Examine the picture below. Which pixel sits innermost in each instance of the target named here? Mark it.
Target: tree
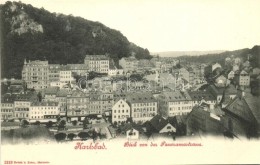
(38, 123)
(62, 125)
(71, 136)
(85, 123)
(49, 124)
(39, 96)
(24, 123)
(60, 136)
(74, 122)
(83, 135)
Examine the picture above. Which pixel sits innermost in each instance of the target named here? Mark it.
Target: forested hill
(32, 33)
(253, 53)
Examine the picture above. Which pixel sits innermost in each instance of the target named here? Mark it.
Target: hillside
(190, 53)
(254, 54)
(33, 33)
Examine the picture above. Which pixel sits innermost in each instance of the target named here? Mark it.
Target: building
(78, 105)
(242, 117)
(79, 69)
(129, 64)
(205, 119)
(159, 124)
(97, 63)
(54, 72)
(44, 112)
(231, 75)
(22, 104)
(143, 106)
(243, 78)
(61, 97)
(229, 92)
(120, 111)
(36, 74)
(175, 103)
(199, 96)
(7, 107)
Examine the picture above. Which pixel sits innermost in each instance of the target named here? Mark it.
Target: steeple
(25, 61)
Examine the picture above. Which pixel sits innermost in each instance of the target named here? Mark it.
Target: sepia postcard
(130, 82)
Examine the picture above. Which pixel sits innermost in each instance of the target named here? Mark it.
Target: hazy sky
(171, 25)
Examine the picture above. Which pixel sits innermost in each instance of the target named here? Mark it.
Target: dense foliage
(254, 54)
(64, 39)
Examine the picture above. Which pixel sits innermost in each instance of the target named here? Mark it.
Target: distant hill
(190, 53)
(253, 53)
(32, 33)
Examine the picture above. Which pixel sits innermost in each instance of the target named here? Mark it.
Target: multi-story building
(143, 106)
(22, 104)
(97, 63)
(65, 75)
(7, 107)
(129, 64)
(54, 72)
(243, 78)
(36, 74)
(120, 111)
(199, 96)
(79, 69)
(77, 105)
(175, 103)
(61, 97)
(44, 112)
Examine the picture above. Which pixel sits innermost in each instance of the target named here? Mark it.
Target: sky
(171, 25)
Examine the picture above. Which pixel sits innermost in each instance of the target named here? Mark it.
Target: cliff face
(33, 33)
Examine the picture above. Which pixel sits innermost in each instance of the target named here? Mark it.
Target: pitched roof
(158, 122)
(145, 97)
(198, 95)
(240, 108)
(176, 96)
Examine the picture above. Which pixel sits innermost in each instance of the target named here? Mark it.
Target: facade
(159, 124)
(44, 112)
(54, 72)
(36, 74)
(120, 111)
(175, 103)
(22, 104)
(143, 106)
(129, 64)
(97, 63)
(205, 119)
(244, 78)
(198, 96)
(7, 108)
(77, 105)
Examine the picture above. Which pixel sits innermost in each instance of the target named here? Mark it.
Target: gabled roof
(145, 97)
(199, 95)
(240, 108)
(176, 96)
(158, 122)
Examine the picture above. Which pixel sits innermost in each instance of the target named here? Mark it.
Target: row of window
(121, 116)
(144, 109)
(143, 104)
(118, 111)
(52, 112)
(6, 110)
(181, 108)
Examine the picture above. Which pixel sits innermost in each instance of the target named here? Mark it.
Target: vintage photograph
(94, 78)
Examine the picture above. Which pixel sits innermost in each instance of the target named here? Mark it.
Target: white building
(175, 103)
(120, 111)
(97, 63)
(143, 106)
(44, 112)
